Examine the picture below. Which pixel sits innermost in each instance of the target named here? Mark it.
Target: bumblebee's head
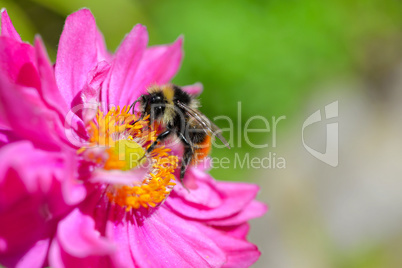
(153, 105)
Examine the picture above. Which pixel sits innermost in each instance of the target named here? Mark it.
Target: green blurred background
(280, 58)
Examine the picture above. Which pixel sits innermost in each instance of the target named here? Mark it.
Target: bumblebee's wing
(204, 121)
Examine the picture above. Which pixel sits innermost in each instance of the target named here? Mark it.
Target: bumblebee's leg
(184, 139)
(187, 156)
(161, 137)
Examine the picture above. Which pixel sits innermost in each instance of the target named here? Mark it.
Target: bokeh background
(285, 58)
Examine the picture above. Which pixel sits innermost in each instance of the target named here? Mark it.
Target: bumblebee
(178, 113)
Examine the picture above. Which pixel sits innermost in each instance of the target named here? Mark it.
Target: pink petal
(35, 256)
(32, 255)
(75, 131)
(124, 67)
(73, 191)
(48, 89)
(253, 210)
(77, 53)
(17, 62)
(58, 258)
(85, 107)
(7, 136)
(95, 79)
(78, 242)
(106, 216)
(195, 89)
(159, 65)
(119, 178)
(19, 233)
(78, 237)
(164, 239)
(237, 231)
(26, 176)
(211, 200)
(25, 113)
(7, 28)
(12, 187)
(239, 252)
(27, 171)
(203, 192)
(102, 52)
(91, 93)
(20, 65)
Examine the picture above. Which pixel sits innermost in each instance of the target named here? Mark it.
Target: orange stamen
(114, 130)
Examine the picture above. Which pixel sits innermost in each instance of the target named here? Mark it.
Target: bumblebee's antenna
(133, 106)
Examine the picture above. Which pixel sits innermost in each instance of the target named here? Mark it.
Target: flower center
(117, 152)
(125, 155)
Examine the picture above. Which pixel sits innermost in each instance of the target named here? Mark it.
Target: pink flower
(68, 195)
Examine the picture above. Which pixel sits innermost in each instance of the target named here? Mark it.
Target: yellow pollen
(116, 144)
(125, 155)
